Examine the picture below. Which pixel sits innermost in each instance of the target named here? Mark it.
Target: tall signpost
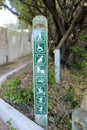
(40, 70)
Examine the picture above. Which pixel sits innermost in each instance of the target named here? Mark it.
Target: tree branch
(11, 10)
(74, 10)
(80, 12)
(33, 4)
(55, 15)
(60, 3)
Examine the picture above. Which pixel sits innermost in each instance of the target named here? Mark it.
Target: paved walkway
(10, 67)
(4, 69)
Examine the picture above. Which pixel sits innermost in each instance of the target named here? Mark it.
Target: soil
(63, 97)
(3, 125)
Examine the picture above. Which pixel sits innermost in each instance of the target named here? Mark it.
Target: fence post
(57, 64)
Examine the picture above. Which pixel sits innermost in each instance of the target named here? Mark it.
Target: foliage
(70, 94)
(62, 98)
(14, 93)
(10, 124)
(51, 77)
(60, 14)
(83, 37)
(71, 97)
(12, 128)
(21, 25)
(79, 57)
(64, 19)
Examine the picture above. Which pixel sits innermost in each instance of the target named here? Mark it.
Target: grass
(71, 97)
(62, 98)
(14, 92)
(10, 125)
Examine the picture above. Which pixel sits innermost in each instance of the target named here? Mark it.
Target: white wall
(13, 45)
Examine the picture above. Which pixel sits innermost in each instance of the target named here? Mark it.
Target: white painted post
(57, 64)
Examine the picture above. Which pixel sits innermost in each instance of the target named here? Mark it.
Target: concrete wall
(13, 45)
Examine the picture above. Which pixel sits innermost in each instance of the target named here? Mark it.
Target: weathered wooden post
(40, 70)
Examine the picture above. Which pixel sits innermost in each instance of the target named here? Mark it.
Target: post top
(56, 51)
(40, 21)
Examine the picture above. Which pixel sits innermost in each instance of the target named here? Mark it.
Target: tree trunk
(72, 27)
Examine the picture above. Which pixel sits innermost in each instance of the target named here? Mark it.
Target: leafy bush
(83, 37)
(79, 57)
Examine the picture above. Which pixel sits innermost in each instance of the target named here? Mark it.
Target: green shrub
(83, 37)
(14, 92)
(79, 57)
